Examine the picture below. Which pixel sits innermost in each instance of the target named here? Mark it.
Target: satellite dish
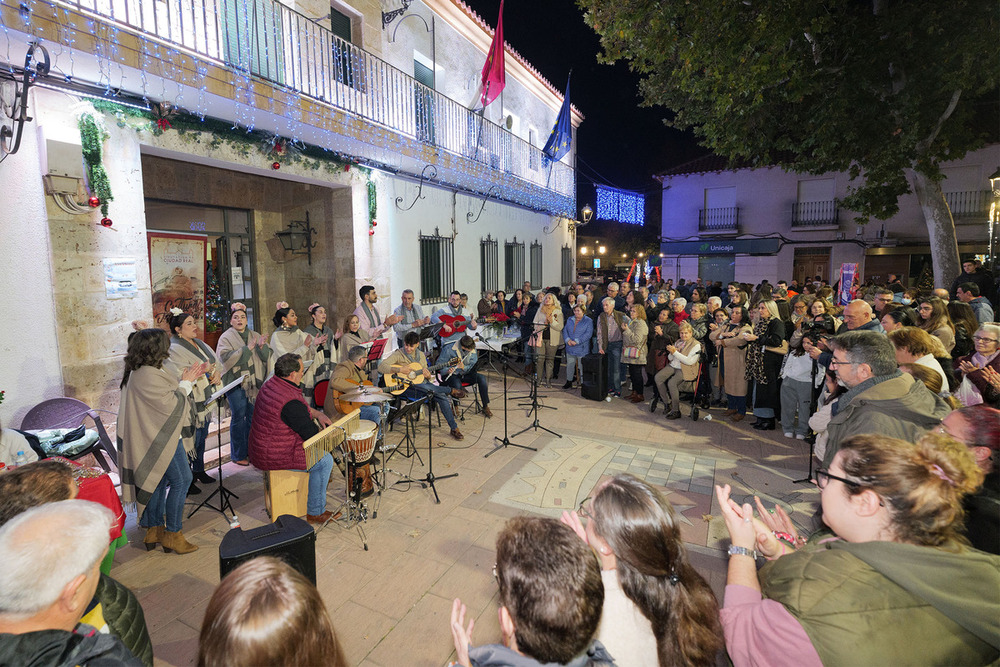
(509, 122)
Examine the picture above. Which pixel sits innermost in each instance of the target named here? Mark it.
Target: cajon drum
(285, 492)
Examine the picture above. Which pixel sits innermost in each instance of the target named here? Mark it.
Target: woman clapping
(242, 351)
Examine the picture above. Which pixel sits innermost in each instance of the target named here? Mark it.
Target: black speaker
(289, 538)
(595, 376)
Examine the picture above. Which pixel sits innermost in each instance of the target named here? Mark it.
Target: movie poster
(177, 277)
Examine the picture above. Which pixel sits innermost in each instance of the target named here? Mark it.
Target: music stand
(429, 478)
(378, 346)
(224, 493)
(811, 438)
(405, 412)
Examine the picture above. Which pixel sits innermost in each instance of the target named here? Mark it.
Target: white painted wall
(765, 198)
(29, 357)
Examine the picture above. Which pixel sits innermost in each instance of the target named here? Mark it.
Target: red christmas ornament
(163, 123)
(275, 166)
(94, 201)
(371, 232)
(374, 223)
(347, 167)
(106, 222)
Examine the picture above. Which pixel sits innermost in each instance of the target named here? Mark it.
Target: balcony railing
(974, 204)
(814, 213)
(264, 38)
(719, 219)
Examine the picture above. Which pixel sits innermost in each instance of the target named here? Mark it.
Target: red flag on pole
(493, 78)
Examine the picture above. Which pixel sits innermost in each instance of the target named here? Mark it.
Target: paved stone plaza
(391, 604)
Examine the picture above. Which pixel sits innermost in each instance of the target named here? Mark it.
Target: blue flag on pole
(562, 134)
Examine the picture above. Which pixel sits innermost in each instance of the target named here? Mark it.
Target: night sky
(619, 143)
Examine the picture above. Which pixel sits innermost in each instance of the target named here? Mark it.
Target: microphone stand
(505, 441)
(534, 405)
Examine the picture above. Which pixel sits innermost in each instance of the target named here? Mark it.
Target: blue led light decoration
(620, 205)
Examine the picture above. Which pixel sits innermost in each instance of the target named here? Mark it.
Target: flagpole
(482, 118)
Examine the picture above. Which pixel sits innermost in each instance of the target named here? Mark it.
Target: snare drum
(362, 443)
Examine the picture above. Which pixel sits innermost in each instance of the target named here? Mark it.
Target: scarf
(372, 315)
(755, 355)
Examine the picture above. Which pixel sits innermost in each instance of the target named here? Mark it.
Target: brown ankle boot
(154, 535)
(177, 542)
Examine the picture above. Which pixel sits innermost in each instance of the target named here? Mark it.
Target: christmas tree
(214, 305)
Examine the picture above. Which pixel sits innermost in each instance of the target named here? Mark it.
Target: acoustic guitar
(458, 323)
(398, 382)
(345, 407)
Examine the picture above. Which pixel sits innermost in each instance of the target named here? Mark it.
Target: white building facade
(754, 224)
(352, 116)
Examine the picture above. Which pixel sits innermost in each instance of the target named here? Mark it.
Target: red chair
(319, 393)
(69, 413)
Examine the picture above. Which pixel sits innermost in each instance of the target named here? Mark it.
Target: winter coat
(635, 335)
(899, 407)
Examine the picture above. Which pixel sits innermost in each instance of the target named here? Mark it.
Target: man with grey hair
(52, 556)
(614, 293)
(411, 317)
(879, 399)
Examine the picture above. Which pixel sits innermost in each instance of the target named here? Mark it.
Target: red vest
(273, 444)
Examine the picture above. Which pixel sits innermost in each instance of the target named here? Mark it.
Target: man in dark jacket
(50, 481)
(971, 274)
(281, 423)
(879, 399)
(52, 557)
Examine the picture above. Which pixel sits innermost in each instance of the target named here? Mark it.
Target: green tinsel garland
(92, 140)
(372, 203)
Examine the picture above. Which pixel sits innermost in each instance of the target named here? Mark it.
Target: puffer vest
(273, 444)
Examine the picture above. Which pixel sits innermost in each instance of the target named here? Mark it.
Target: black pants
(635, 374)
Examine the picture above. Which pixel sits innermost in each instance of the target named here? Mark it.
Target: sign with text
(723, 247)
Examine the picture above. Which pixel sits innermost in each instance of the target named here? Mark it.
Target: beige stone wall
(274, 203)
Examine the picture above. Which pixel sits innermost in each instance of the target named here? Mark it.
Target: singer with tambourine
(463, 371)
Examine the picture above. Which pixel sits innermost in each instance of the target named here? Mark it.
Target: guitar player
(465, 350)
(347, 375)
(456, 318)
(409, 354)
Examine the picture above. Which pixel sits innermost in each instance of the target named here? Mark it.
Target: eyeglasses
(835, 362)
(823, 478)
(582, 509)
(984, 339)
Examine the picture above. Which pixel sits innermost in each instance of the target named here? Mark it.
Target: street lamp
(602, 249)
(586, 213)
(583, 250)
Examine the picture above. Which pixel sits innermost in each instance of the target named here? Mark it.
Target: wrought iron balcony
(719, 220)
(815, 213)
(263, 39)
(973, 204)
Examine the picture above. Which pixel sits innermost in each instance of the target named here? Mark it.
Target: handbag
(630, 352)
(780, 349)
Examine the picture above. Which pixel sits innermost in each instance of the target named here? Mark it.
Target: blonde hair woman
(683, 359)
(548, 335)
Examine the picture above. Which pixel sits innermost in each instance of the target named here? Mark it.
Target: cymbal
(366, 395)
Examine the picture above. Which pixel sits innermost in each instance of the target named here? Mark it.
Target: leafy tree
(870, 87)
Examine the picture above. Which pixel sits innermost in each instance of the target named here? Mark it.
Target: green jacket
(885, 603)
(896, 408)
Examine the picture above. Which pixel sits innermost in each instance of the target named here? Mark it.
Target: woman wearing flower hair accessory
(287, 337)
(657, 609)
(319, 330)
(242, 351)
(186, 350)
(896, 552)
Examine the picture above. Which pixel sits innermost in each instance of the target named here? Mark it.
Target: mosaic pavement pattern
(566, 470)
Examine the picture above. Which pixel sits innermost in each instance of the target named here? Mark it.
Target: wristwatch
(742, 551)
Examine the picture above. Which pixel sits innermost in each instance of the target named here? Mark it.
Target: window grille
(513, 256)
(566, 274)
(489, 264)
(536, 265)
(437, 267)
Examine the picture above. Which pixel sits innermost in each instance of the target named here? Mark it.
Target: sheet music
(225, 390)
